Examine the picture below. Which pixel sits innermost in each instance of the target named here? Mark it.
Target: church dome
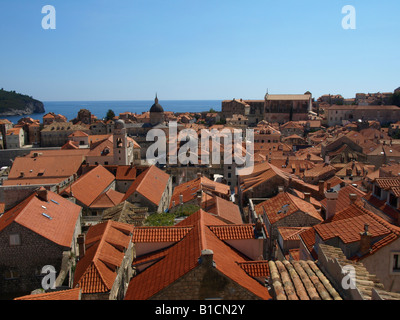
(119, 124)
(156, 107)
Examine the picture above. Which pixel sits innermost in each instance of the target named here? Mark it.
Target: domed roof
(156, 107)
(119, 124)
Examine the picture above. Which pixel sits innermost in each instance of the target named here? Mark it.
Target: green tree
(396, 99)
(160, 219)
(110, 115)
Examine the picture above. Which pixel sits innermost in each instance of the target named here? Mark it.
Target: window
(395, 263)
(15, 240)
(377, 191)
(11, 274)
(392, 200)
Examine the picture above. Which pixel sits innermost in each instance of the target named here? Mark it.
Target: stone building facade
(205, 282)
(339, 114)
(21, 262)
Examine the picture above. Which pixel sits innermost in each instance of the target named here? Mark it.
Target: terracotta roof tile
(382, 206)
(91, 185)
(255, 268)
(150, 184)
(108, 199)
(348, 229)
(54, 219)
(300, 280)
(233, 232)
(387, 183)
(226, 210)
(184, 256)
(291, 233)
(105, 244)
(189, 190)
(159, 234)
(26, 170)
(126, 173)
(275, 207)
(72, 294)
(343, 200)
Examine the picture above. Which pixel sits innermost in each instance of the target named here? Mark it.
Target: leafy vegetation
(168, 219)
(396, 98)
(110, 115)
(160, 219)
(11, 100)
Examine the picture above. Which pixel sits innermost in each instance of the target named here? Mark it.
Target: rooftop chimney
(353, 197)
(199, 197)
(321, 187)
(81, 245)
(207, 258)
(181, 199)
(258, 228)
(331, 197)
(365, 241)
(280, 189)
(307, 196)
(42, 194)
(198, 174)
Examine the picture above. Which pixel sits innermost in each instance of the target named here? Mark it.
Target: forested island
(15, 104)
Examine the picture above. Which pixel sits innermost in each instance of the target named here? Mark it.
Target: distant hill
(15, 104)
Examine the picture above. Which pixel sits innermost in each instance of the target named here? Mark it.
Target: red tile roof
(189, 189)
(54, 219)
(105, 244)
(91, 185)
(47, 169)
(348, 230)
(126, 173)
(160, 234)
(70, 145)
(233, 232)
(184, 257)
(343, 200)
(308, 238)
(255, 268)
(275, 207)
(78, 133)
(150, 184)
(291, 233)
(388, 182)
(72, 294)
(382, 205)
(226, 210)
(108, 199)
(347, 226)
(261, 173)
(300, 280)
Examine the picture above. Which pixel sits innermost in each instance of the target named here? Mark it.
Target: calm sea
(70, 109)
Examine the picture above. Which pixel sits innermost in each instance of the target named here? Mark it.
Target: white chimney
(353, 197)
(181, 199)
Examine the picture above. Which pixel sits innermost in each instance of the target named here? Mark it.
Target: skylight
(47, 216)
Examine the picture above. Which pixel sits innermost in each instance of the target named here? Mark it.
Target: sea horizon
(99, 108)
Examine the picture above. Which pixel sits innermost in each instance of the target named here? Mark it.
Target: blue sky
(190, 49)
